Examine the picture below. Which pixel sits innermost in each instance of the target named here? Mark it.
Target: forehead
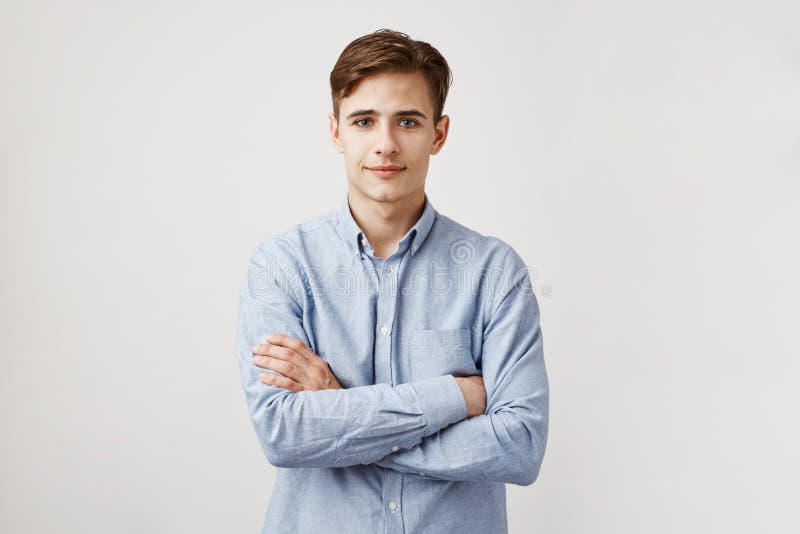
(390, 90)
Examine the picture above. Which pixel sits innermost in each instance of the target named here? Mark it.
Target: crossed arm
(414, 427)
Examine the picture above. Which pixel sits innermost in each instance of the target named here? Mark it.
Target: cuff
(442, 402)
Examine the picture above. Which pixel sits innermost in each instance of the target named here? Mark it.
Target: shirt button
(445, 426)
(395, 449)
(421, 474)
(384, 329)
(392, 506)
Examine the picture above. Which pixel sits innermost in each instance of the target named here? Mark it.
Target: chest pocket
(441, 352)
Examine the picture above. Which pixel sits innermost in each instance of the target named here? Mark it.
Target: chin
(380, 192)
(383, 195)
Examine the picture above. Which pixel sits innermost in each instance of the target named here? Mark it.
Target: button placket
(388, 273)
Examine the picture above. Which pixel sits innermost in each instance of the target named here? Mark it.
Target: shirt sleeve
(507, 443)
(327, 428)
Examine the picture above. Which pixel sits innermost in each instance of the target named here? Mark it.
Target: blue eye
(358, 122)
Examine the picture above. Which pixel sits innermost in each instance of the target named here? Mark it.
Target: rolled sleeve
(441, 401)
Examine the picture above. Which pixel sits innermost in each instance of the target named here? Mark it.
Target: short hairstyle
(387, 50)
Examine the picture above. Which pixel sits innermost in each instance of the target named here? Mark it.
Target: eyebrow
(403, 113)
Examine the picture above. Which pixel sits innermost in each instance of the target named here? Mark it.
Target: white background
(642, 157)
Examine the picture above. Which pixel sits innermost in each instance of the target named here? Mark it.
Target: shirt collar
(352, 233)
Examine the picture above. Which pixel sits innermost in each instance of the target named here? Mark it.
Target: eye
(409, 120)
(357, 121)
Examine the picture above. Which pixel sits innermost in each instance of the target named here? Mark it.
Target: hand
(300, 367)
(474, 393)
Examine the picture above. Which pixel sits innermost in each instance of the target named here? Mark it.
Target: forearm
(498, 447)
(341, 427)
(507, 443)
(327, 428)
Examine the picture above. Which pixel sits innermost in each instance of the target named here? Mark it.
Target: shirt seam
(497, 300)
(281, 266)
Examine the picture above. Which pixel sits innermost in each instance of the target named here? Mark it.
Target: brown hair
(387, 50)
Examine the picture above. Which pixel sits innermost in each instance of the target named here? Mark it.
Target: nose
(386, 144)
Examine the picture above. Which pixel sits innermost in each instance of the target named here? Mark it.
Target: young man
(391, 357)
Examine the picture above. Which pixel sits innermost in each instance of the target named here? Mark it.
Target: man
(391, 357)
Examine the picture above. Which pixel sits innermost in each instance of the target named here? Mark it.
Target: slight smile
(386, 171)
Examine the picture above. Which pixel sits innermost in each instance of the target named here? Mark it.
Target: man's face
(388, 121)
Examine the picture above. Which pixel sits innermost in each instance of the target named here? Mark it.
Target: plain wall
(642, 157)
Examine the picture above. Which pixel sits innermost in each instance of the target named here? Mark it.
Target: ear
(334, 129)
(440, 134)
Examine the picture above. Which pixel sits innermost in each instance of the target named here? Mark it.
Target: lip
(386, 171)
(386, 168)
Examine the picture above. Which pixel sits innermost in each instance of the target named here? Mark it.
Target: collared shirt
(394, 452)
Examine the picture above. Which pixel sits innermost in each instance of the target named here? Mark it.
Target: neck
(385, 223)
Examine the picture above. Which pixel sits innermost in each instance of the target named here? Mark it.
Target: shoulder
(491, 262)
(289, 245)
(280, 258)
(469, 245)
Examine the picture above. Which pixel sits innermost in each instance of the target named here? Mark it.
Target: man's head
(388, 96)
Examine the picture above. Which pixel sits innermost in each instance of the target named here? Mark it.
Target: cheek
(351, 157)
(421, 144)
(354, 154)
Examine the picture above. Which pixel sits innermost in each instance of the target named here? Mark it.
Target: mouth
(385, 171)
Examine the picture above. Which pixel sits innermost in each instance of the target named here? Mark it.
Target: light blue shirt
(394, 451)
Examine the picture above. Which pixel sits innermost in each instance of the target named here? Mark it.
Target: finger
(287, 341)
(296, 344)
(284, 360)
(276, 351)
(298, 362)
(291, 343)
(287, 369)
(280, 381)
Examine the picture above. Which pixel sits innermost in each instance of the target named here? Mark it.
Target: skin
(385, 208)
